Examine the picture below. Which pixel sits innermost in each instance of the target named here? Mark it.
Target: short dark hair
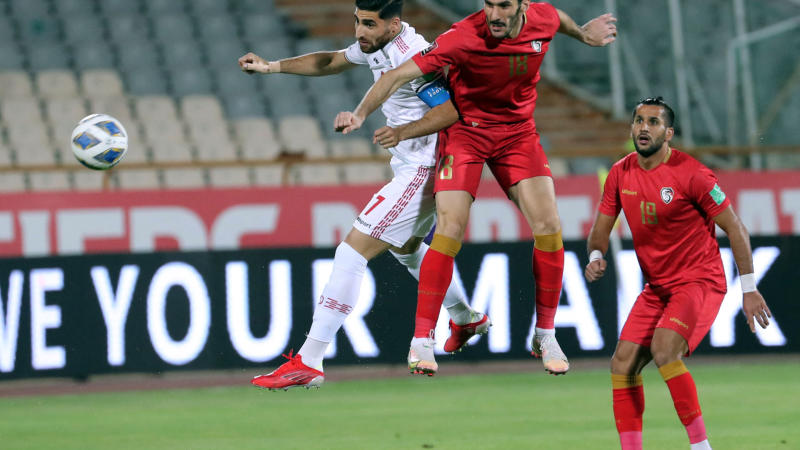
(669, 114)
(384, 8)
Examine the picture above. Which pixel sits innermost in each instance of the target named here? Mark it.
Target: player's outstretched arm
(598, 32)
(386, 85)
(597, 246)
(311, 64)
(438, 118)
(753, 304)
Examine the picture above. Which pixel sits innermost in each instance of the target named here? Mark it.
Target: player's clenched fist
(386, 137)
(252, 63)
(595, 269)
(347, 122)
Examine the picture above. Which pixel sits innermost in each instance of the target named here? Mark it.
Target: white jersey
(403, 106)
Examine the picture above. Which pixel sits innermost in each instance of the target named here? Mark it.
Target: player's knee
(547, 225)
(664, 354)
(451, 226)
(623, 364)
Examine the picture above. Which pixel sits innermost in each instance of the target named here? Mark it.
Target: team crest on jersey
(430, 48)
(537, 46)
(667, 194)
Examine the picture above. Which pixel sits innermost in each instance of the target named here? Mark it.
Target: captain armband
(434, 92)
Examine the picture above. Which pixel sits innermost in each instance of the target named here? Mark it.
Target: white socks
(703, 445)
(545, 331)
(312, 351)
(337, 301)
(454, 299)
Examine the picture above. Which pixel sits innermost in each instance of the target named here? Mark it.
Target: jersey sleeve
(548, 17)
(610, 205)
(707, 194)
(355, 55)
(445, 50)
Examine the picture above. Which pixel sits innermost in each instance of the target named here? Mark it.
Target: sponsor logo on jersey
(430, 48)
(717, 194)
(537, 46)
(667, 194)
(368, 225)
(628, 192)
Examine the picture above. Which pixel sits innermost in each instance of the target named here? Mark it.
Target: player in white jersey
(399, 215)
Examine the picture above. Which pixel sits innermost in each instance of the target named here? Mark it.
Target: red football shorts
(512, 152)
(688, 309)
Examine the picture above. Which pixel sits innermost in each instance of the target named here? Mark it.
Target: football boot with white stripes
(292, 373)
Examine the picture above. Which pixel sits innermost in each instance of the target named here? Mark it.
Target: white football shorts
(403, 208)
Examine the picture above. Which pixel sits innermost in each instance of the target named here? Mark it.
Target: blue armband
(434, 93)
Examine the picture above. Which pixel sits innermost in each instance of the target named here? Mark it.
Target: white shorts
(401, 209)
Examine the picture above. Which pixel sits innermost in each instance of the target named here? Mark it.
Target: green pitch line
(745, 407)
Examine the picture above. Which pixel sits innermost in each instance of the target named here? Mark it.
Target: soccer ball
(99, 141)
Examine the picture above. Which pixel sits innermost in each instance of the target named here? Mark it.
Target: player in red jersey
(493, 58)
(672, 203)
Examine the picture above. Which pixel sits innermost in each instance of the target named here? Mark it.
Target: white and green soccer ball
(99, 141)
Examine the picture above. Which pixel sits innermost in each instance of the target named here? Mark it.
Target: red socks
(684, 396)
(629, 404)
(548, 271)
(435, 275)
(628, 400)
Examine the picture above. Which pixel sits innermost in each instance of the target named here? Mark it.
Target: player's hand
(386, 137)
(753, 305)
(347, 122)
(252, 63)
(600, 31)
(595, 270)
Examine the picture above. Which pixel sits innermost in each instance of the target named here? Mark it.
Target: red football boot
(460, 334)
(292, 373)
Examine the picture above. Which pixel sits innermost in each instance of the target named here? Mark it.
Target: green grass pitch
(746, 406)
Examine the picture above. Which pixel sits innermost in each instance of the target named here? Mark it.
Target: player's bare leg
(667, 348)
(436, 272)
(535, 197)
(628, 393)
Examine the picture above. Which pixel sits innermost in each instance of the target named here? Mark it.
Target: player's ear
(524, 4)
(396, 24)
(669, 133)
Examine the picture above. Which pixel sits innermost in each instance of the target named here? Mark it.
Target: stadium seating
(229, 177)
(15, 84)
(167, 69)
(88, 180)
(366, 173)
(268, 175)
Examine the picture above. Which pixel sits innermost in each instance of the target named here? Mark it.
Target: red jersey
(493, 80)
(670, 211)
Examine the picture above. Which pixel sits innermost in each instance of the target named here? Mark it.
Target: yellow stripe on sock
(548, 242)
(625, 381)
(672, 370)
(445, 245)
